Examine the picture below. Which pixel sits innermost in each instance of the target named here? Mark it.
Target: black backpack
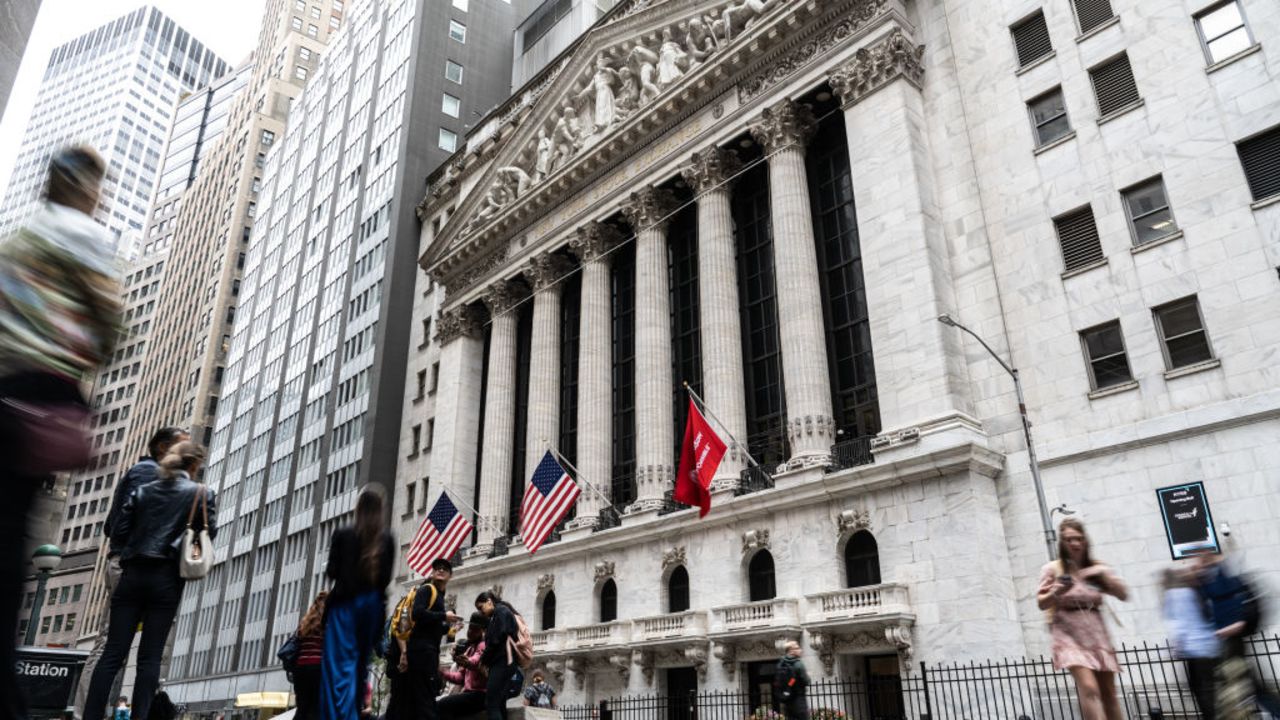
(1251, 610)
(785, 680)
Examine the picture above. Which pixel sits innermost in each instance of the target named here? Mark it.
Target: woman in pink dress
(1071, 594)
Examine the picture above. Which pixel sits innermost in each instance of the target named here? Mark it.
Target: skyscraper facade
(310, 405)
(114, 88)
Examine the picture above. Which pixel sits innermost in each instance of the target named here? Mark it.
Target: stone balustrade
(610, 634)
(756, 615)
(691, 624)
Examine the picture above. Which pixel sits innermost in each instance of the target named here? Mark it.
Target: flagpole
(607, 501)
(479, 518)
(740, 446)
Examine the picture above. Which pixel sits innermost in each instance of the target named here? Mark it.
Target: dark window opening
(678, 590)
(608, 601)
(622, 276)
(861, 560)
(760, 577)
(524, 342)
(549, 610)
(686, 355)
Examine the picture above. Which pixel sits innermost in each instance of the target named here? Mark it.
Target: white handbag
(197, 550)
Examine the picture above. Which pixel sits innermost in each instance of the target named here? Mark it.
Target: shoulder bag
(197, 550)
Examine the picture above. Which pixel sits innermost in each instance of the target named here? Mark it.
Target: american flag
(549, 495)
(441, 533)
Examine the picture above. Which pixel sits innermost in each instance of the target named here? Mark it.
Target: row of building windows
(1184, 343)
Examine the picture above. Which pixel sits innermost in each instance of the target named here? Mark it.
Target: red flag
(699, 459)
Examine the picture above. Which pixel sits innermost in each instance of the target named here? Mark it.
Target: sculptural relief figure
(646, 62)
(672, 60)
(628, 92)
(601, 86)
(499, 197)
(516, 179)
(565, 136)
(699, 42)
(737, 17)
(542, 164)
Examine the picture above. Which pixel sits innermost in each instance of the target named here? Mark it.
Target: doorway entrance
(884, 688)
(682, 691)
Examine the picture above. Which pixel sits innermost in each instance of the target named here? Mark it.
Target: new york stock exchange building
(774, 201)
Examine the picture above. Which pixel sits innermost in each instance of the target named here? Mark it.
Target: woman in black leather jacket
(149, 531)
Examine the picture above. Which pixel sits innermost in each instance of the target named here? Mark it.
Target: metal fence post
(924, 684)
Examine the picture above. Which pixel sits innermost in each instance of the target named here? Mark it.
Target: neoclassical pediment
(626, 81)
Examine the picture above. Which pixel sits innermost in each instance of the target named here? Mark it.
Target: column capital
(461, 321)
(875, 66)
(711, 168)
(545, 271)
(784, 124)
(502, 295)
(649, 207)
(593, 240)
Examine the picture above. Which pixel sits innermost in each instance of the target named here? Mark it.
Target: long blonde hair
(313, 622)
(185, 456)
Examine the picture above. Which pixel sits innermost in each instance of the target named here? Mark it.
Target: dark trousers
(1200, 678)
(422, 684)
(495, 693)
(461, 705)
(148, 593)
(306, 691)
(797, 708)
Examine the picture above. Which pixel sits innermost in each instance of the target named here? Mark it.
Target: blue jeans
(350, 630)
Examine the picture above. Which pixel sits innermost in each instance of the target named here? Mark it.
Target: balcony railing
(547, 641)
(858, 602)
(764, 614)
(617, 632)
(852, 453)
(609, 517)
(688, 624)
(753, 479)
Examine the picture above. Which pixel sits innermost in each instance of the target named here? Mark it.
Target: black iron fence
(1152, 684)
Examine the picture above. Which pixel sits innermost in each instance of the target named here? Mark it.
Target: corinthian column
(647, 211)
(784, 130)
(720, 325)
(499, 415)
(453, 456)
(543, 430)
(595, 387)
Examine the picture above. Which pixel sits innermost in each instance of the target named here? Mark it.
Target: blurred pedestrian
(1072, 591)
(306, 676)
(361, 558)
(1191, 633)
(539, 694)
(59, 315)
(1236, 606)
(498, 657)
(143, 472)
(792, 681)
(470, 674)
(149, 532)
(122, 709)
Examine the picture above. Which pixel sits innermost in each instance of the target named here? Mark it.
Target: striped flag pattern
(442, 531)
(549, 495)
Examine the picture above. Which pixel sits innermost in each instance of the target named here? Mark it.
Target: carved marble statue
(602, 87)
(699, 42)
(628, 91)
(646, 62)
(672, 60)
(542, 164)
(516, 179)
(566, 136)
(737, 17)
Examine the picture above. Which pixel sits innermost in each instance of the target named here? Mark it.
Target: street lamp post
(46, 558)
(1050, 537)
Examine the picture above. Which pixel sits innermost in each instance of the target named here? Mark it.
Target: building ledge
(1036, 63)
(1115, 20)
(1084, 268)
(1264, 202)
(1256, 47)
(1054, 143)
(1113, 390)
(1192, 369)
(1177, 235)
(1121, 111)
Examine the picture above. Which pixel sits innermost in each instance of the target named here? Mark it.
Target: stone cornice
(890, 58)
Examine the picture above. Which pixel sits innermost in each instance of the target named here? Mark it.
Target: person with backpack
(419, 622)
(1236, 608)
(471, 674)
(791, 681)
(361, 563)
(149, 531)
(539, 694)
(306, 664)
(1072, 593)
(508, 648)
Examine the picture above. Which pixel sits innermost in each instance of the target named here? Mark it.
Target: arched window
(861, 560)
(549, 610)
(678, 590)
(760, 577)
(608, 601)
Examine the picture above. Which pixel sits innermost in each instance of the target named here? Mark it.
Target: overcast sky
(228, 27)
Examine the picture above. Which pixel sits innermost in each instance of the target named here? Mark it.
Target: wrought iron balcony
(852, 453)
(609, 517)
(753, 479)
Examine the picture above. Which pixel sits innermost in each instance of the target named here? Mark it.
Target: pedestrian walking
(539, 694)
(360, 564)
(122, 709)
(148, 532)
(1072, 592)
(791, 682)
(470, 674)
(1191, 633)
(418, 624)
(142, 472)
(306, 674)
(59, 314)
(1236, 607)
(504, 629)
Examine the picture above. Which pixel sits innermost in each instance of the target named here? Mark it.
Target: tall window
(1182, 335)
(761, 349)
(549, 610)
(1049, 117)
(608, 601)
(861, 560)
(844, 291)
(570, 329)
(524, 343)
(1105, 355)
(622, 277)
(686, 356)
(678, 590)
(1147, 207)
(1223, 31)
(760, 581)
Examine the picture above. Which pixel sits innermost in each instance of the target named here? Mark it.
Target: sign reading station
(1188, 525)
(48, 677)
